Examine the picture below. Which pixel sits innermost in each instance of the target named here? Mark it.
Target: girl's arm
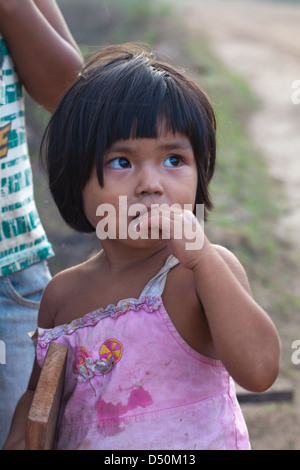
(244, 338)
(43, 49)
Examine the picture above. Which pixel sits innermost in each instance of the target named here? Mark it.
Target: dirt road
(261, 41)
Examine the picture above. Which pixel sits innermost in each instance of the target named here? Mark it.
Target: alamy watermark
(296, 354)
(2, 352)
(295, 97)
(163, 222)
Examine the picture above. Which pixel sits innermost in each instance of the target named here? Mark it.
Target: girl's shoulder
(59, 290)
(67, 279)
(234, 265)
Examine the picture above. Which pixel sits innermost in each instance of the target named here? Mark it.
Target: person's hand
(180, 229)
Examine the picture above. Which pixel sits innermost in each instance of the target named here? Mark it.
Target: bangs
(155, 110)
(147, 110)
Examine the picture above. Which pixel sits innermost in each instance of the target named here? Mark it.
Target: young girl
(157, 327)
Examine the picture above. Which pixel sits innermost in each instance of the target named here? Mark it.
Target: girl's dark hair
(123, 91)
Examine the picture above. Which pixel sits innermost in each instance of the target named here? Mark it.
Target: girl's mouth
(139, 213)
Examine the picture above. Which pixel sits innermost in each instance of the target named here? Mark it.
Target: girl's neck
(116, 259)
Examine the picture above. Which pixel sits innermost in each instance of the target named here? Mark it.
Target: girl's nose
(149, 182)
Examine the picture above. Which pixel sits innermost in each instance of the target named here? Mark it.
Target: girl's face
(144, 171)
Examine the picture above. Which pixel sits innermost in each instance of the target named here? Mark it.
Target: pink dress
(132, 382)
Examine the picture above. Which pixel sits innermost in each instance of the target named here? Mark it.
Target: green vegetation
(95, 23)
(246, 204)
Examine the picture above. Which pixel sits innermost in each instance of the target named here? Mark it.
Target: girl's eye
(119, 163)
(173, 161)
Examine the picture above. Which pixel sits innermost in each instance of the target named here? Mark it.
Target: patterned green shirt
(22, 237)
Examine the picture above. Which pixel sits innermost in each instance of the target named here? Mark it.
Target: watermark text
(162, 221)
(296, 354)
(295, 97)
(2, 352)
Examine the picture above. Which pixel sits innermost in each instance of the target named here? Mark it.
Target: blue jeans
(20, 294)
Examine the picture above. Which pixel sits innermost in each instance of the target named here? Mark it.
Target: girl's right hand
(180, 229)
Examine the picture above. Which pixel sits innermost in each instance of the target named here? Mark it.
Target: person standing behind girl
(37, 51)
(157, 332)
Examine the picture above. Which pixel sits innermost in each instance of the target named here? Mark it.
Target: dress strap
(155, 286)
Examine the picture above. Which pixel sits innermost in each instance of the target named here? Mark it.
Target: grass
(95, 23)
(243, 193)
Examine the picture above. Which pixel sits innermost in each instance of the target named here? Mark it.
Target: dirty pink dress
(132, 382)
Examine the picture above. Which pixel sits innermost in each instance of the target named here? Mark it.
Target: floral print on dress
(86, 368)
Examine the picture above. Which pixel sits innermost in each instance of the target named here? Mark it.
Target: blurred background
(246, 55)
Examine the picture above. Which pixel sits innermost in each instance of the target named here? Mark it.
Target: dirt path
(261, 41)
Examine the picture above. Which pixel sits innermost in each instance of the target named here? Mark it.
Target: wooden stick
(43, 414)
